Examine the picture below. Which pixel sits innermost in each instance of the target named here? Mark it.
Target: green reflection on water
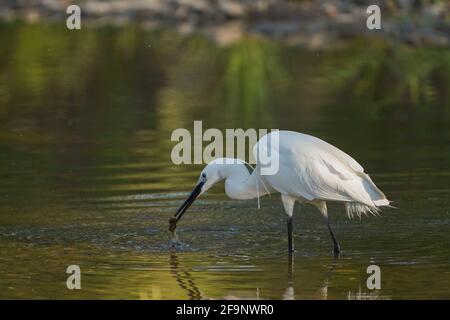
(86, 176)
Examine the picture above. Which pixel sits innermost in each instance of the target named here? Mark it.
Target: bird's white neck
(240, 184)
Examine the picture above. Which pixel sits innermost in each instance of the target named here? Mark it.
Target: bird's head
(210, 175)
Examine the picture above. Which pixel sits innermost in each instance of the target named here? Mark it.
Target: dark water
(86, 176)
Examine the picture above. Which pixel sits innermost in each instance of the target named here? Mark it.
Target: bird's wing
(314, 169)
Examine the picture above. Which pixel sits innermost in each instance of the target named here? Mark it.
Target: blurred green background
(86, 176)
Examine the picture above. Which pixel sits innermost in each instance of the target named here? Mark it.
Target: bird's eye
(204, 175)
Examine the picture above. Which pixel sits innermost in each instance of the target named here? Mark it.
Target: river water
(86, 176)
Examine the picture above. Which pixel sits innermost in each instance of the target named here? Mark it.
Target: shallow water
(86, 176)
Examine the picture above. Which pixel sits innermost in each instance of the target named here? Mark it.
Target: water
(86, 176)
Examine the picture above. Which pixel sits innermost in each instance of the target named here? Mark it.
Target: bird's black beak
(190, 200)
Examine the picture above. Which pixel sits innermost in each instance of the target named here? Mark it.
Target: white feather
(312, 169)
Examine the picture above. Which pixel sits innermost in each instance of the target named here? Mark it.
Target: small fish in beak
(172, 226)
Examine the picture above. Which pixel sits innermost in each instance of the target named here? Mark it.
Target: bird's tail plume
(356, 208)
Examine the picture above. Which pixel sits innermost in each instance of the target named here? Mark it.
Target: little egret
(310, 170)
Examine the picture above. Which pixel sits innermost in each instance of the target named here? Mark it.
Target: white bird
(310, 170)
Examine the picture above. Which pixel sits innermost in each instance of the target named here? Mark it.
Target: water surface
(86, 176)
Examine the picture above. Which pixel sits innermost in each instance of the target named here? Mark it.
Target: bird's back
(313, 169)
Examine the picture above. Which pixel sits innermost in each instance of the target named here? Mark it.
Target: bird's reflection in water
(185, 281)
(183, 278)
(326, 282)
(289, 293)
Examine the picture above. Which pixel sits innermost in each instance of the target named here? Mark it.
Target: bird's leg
(322, 206)
(288, 203)
(336, 247)
(290, 238)
(290, 268)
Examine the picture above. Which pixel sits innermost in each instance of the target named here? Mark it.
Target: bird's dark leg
(322, 206)
(336, 247)
(288, 203)
(290, 238)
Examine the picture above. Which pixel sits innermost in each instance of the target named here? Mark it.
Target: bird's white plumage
(311, 169)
